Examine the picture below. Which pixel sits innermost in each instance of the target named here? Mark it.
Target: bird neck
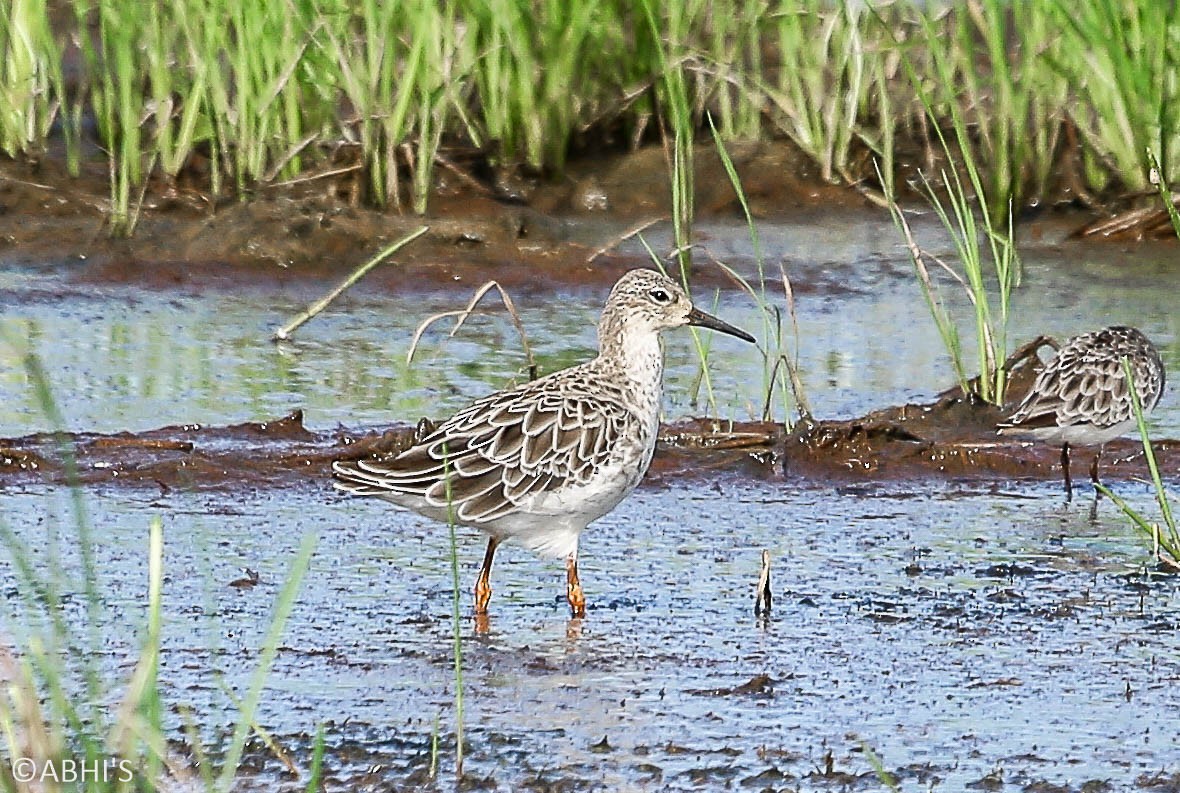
(635, 352)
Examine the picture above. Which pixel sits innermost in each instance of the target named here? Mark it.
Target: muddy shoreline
(563, 231)
(952, 438)
(937, 601)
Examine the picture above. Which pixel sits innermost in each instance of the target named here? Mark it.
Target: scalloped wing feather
(1085, 383)
(502, 450)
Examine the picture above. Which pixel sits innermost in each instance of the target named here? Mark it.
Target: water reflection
(130, 359)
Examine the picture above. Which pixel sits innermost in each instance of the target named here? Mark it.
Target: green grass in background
(272, 91)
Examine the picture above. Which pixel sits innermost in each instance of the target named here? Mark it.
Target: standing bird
(1081, 397)
(536, 463)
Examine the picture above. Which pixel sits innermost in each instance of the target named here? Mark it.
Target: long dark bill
(703, 320)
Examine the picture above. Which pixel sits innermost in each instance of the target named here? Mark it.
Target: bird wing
(495, 453)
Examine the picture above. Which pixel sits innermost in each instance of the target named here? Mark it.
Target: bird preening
(1082, 397)
(535, 464)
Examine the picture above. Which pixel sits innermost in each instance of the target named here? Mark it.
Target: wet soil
(317, 227)
(952, 437)
(564, 231)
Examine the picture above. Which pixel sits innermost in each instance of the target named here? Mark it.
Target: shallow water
(951, 630)
(964, 633)
(123, 358)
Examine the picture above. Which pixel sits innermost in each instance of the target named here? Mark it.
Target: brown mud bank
(319, 227)
(549, 230)
(952, 437)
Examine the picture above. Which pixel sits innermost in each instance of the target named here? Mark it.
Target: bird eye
(660, 296)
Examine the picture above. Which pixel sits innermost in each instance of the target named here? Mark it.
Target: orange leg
(573, 587)
(483, 584)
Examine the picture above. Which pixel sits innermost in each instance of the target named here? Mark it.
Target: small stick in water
(763, 601)
(284, 333)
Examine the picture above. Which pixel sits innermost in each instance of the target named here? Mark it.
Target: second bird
(1082, 398)
(536, 463)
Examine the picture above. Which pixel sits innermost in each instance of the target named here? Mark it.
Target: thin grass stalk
(1008, 97)
(210, 88)
(668, 36)
(43, 394)
(760, 298)
(942, 319)
(1171, 541)
(314, 776)
(45, 663)
(117, 97)
(1165, 192)
(282, 610)
(456, 624)
(433, 771)
(141, 703)
(379, 73)
(176, 128)
(824, 80)
(991, 336)
(733, 48)
(54, 665)
(1149, 453)
(883, 144)
(434, 102)
(314, 308)
(1150, 530)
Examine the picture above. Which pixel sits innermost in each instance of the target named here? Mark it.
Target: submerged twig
(284, 333)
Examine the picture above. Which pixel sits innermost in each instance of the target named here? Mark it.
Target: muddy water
(956, 632)
(969, 635)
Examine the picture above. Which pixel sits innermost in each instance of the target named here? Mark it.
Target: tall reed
(31, 85)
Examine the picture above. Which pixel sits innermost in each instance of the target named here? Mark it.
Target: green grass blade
(282, 610)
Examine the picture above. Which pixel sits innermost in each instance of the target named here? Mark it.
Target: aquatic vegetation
(1165, 540)
(970, 216)
(59, 713)
(964, 228)
(30, 77)
(370, 93)
(780, 370)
